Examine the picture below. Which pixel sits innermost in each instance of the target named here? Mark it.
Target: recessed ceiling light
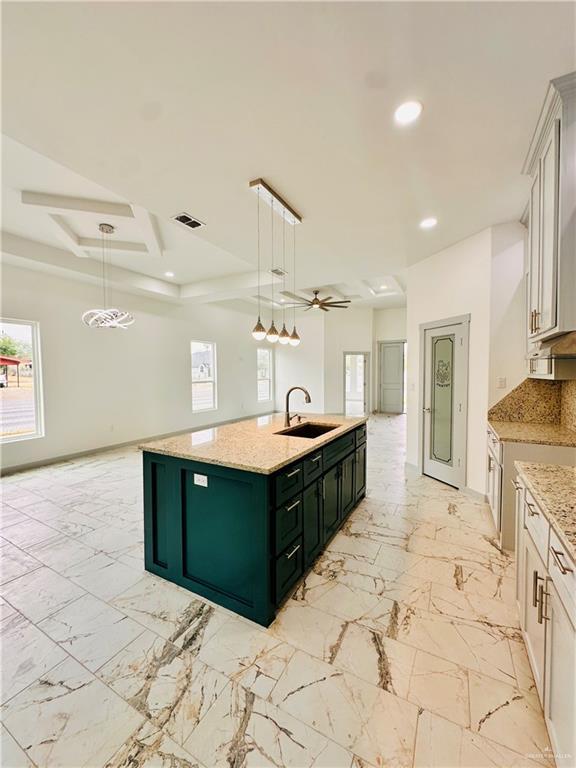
(383, 287)
(169, 274)
(428, 223)
(408, 112)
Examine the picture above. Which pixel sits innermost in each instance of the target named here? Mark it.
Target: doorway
(355, 383)
(444, 398)
(391, 378)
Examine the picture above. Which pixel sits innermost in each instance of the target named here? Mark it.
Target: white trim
(381, 343)
(213, 380)
(367, 400)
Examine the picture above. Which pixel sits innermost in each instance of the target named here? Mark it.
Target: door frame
(381, 343)
(463, 320)
(366, 380)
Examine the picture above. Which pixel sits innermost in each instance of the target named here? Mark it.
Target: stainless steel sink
(308, 429)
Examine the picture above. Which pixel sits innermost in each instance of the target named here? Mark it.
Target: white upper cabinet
(552, 214)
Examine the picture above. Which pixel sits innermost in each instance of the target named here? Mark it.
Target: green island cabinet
(244, 539)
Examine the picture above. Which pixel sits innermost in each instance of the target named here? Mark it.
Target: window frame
(270, 379)
(213, 380)
(40, 430)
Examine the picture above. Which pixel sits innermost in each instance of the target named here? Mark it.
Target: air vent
(278, 271)
(188, 221)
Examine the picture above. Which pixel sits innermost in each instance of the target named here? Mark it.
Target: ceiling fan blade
(335, 303)
(326, 299)
(338, 306)
(323, 308)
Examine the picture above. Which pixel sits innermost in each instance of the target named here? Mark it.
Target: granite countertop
(251, 444)
(554, 489)
(543, 434)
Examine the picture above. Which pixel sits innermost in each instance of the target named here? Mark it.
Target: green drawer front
(289, 567)
(312, 467)
(288, 522)
(338, 449)
(288, 483)
(361, 435)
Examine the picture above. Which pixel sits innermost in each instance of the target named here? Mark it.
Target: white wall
(349, 330)
(507, 310)
(105, 387)
(302, 366)
(455, 281)
(390, 324)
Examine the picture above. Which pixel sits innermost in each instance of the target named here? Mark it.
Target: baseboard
(475, 495)
(7, 471)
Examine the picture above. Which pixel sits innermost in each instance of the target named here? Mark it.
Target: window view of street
(18, 417)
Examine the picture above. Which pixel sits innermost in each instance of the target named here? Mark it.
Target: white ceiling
(178, 106)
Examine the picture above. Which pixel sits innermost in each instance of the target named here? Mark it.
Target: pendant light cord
(283, 265)
(258, 247)
(294, 267)
(272, 253)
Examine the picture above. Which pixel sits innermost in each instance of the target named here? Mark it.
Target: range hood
(562, 347)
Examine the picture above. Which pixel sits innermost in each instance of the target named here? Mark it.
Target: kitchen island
(238, 513)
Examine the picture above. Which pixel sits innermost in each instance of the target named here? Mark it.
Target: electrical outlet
(501, 382)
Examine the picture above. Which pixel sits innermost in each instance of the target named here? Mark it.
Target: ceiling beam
(65, 204)
(120, 246)
(228, 287)
(67, 236)
(149, 229)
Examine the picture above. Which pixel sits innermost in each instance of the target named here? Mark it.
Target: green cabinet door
(348, 489)
(313, 522)
(360, 476)
(331, 494)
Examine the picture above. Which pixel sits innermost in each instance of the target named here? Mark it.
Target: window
(203, 376)
(264, 376)
(21, 415)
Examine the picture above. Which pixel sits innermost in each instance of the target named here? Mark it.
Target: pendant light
(109, 317)
(294, 337)
(258, 332)
(284, 336)
(272, 335)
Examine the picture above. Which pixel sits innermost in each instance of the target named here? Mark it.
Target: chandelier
(109, 317)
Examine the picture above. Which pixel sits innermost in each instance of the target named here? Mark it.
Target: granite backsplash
(535, 401)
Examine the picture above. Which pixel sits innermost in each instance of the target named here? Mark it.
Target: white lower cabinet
(533, 625)
(560, 676)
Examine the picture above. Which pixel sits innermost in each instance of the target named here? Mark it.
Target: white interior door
(355, 383)
(392, 377)
(445, 367)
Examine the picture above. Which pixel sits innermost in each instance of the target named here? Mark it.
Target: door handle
(541, 615)
(535, 580)
(427, 410)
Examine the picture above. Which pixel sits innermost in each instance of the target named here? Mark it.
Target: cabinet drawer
(540, 366)
(287, 522)
(338, 449)
(537, 526)
(288, 483)
(562, 570)
(288, 569)
(360, 435)
(312, 467)
(495, 446)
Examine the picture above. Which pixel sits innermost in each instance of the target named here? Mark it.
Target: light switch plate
(201, 480)
(501, 382)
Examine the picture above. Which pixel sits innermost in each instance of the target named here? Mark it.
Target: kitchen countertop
(543, 434)
(251, 444)
(554, 489)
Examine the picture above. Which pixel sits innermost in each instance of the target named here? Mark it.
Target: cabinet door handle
(532, 321)
(291, 554)
(323, 489)
(490, 460)
(532, 511)
(536, 323)
(557, 554)
(541, 593)
(317, 458)
(293, 506)
(517, 486)
(294, 472)
(535, 580)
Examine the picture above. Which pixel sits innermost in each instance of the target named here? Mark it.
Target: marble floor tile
(442, 744)
(397, 559)
(172, 688)
(11, 753)
(69, 718)
(28, 532)
(149, 747)
(242, 730)
(10, 516)
(173, 613)
(339, 599)
(457, 604)
(111, 540)
(316, 632)
(61, 553)
(102, 576)
(348, 710)
(15, 562)
(357, 547)
(440, 686)
(509, 716)
(90, 630)
(247, 655)
(40, 593)
(26, 654)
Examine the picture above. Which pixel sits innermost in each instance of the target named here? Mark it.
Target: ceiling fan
(324, 304)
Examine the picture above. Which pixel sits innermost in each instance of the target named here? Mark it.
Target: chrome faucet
(287, 417)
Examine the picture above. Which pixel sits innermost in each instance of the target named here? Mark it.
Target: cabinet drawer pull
(532, 511)
(557, 554)
(293, 506)
(516, 485)
(294, 472)
(291, 554)
(316, 458)
(535, 580)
